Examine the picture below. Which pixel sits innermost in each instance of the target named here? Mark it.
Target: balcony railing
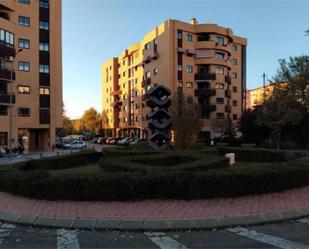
(208, 108)
(228, 93)
(116, 93)
(228, 79)
(5, 99)
(116, 104)
(146, 82)
(205, 92)
(6, 74)
(6, 51)
(205, 76)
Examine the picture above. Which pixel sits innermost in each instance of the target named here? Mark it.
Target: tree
(78, 126)
(67, 126)
(186, 121)
(92, 120)
(279, 111)
(296, 73)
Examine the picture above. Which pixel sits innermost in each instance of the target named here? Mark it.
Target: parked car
(95, 140)
(109, 139)
(139, 142)
(125, 141)
(77, 144)
(102, 140)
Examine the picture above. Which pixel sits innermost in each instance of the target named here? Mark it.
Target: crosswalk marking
(304, 220)
(163, 241)
(5, 230)
(267, 239)
(67, 239)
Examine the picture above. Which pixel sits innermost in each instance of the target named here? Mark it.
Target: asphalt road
(288, 235)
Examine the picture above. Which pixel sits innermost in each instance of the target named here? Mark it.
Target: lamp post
(12, 59)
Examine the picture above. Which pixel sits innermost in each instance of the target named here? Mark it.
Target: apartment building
(30, 72)
(205, 61)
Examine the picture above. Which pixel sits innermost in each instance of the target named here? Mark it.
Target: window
(234, 102)
(44, 25)
(24, 21)
(3, 111)
(220, 101)
(6, 38)
(219, 55)
(220, 70)
(123, 62)
(44, 68)
(220, 115)
(23, 112)
(44, 91)
(24, 66)
(220, 40)
(155, 71)
(124, 74)
(23, 89)
(219, 86)
(179, 34)
(44, 4)
(234, 61)
(147, 45)
(24, 1)
(234, 47)
(148, 75)
(189, 69)
(124, 85)
(23, 43)
(234, 116)
(179, 67)
(44, 46)
(234, 75)
(3, 138)
(189, 37)
(235, 89)
(189, 84)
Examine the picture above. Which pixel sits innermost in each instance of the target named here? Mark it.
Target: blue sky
(96, 30)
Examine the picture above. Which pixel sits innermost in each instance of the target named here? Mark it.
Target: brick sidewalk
(158, 209)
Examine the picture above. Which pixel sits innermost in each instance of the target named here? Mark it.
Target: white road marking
(267, 239)
(67, 239)
(5, 230)
(163, 241)
(304, 220)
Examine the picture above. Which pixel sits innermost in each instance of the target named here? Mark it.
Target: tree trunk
(278, 139)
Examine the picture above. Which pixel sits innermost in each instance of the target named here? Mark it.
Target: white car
(76, 145)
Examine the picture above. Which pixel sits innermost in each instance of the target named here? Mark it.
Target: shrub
(63, 162)
(260, 155)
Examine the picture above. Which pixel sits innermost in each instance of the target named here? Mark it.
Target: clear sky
(96, 30)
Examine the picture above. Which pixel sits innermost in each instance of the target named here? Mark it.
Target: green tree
(186, 120)
(296, 73)
(279, 111)
(67, 125)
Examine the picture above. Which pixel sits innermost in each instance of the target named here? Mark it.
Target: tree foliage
(92, 120)
(186, 120)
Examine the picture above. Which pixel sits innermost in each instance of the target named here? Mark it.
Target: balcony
(228, 108)
(5, 99)
(6, 51)
(115, 93)
(205, 92)
(228, 79)
(6, 74)
(213, 45)
(208, 108)
(146, 82)
(228, 93)
(116, 104)
(212, 61)
(204, 76)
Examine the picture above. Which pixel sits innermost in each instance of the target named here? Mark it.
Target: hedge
(62, 162)
(260, 155)
(164, 185)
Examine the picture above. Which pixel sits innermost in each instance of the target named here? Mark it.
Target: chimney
(193, 21)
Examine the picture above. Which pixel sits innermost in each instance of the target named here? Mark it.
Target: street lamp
(12, 59)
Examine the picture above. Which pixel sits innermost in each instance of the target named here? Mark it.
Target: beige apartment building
(30, 39)
(205, 61)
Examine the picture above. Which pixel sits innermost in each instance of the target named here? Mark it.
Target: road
(288, 235)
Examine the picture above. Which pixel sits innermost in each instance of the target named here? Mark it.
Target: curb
(153, 225)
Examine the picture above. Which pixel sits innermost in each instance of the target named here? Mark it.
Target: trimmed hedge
(62, 162)
(164, 185)
(164, 162)
(260, 155)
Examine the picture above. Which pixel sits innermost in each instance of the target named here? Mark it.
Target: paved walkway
(219, 212)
